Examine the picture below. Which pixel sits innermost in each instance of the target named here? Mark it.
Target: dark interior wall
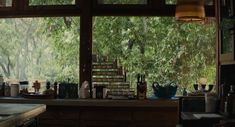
(227, 76)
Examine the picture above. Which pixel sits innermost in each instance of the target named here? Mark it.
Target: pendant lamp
(190, 10)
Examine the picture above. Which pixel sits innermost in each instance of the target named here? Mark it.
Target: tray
(37, 96)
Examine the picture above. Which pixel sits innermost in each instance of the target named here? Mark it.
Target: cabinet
(57, 116)
(227, 74)
(227, 27)
(76, 116)
(226, 39)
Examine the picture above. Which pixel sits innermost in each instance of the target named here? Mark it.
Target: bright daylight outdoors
(159, 47)
(40, 48)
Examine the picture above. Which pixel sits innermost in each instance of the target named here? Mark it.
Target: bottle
(48, 85)
(185, 93)
(138, 83)
(231, 91)
(1, 86)
(228, 107)
(141, 87)
(55, 89)
(144, 83)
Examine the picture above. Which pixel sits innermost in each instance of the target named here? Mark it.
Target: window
(161, 48)
(40, 48)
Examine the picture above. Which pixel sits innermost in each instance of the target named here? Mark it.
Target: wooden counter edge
(18, 119)
(95, 102)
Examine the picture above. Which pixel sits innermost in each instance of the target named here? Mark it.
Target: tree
(160, 47)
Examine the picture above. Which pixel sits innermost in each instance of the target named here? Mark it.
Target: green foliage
(161, 48)
(40, 48)
(65, 37)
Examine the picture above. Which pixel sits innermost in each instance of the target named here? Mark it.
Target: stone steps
(110, 75)
(107, 79)
(103, 66)
(104, 72)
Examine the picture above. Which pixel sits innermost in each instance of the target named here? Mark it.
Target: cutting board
(11, 109)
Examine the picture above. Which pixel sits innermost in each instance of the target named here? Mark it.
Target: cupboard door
(59, 117)
(227, 24)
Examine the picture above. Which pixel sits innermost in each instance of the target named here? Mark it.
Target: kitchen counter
(104, 112)
(17, 114)
(95, 102)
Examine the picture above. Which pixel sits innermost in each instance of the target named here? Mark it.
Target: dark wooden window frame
(86, 9)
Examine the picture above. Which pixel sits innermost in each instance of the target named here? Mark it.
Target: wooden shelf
(227, 63)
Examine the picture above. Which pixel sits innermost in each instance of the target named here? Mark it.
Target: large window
(40, 48)
(159, 47)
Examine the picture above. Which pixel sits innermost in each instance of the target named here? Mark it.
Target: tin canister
(15, 89)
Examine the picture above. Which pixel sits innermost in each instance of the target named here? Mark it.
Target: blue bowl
(165, 92)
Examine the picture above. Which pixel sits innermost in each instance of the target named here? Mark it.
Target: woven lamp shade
(190, 10)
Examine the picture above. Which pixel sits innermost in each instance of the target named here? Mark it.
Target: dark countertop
(17, 114)
(200, 115)
(95, 102)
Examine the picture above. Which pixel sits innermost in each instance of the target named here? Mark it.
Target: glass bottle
(231, 91)
(7, 90)
(228, 106)
(141, 88)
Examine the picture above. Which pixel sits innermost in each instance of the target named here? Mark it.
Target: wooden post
(218, 46)
(86, 42)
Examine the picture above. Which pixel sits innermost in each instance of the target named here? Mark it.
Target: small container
(99, 92)
(7, 90)
(15, 90)
(1, 86)
(225, 107)
(24, 87)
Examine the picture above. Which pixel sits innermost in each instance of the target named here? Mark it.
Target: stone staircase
(107, 73)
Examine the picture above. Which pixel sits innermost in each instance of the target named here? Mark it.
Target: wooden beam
(141, 10)
(41, 11)
(86, 42)
(153, 8)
